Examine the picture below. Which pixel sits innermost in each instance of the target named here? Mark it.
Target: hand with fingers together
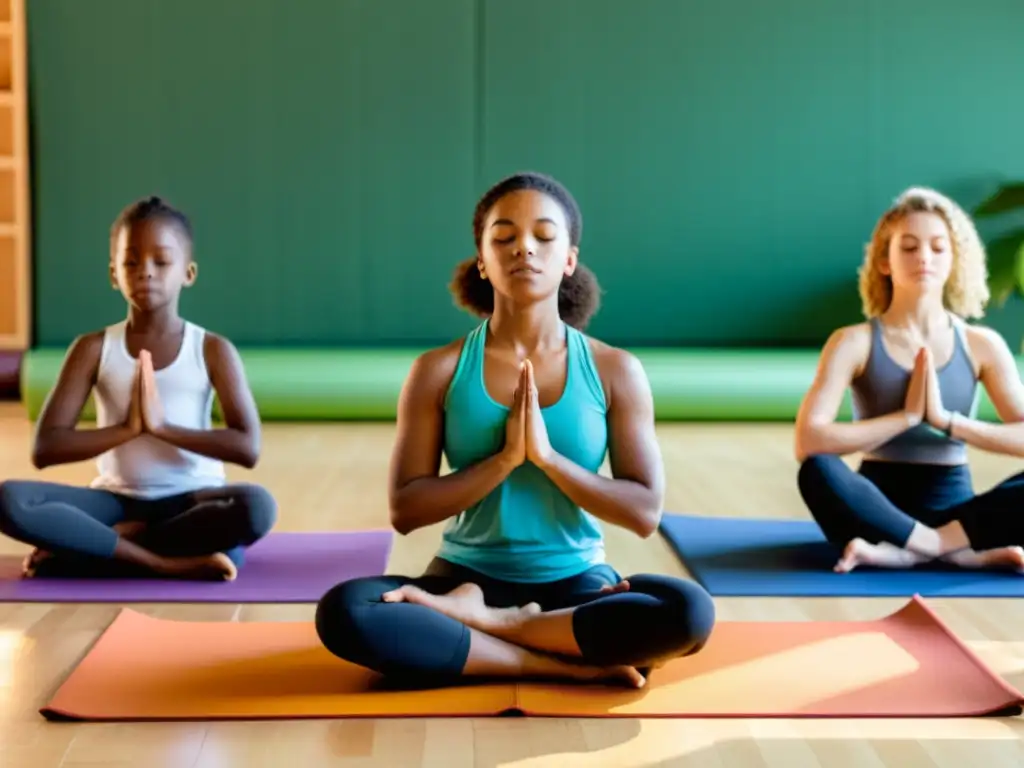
(151, 407)
(538, 446)
(515, 427)
(526, 435)
(935, 413)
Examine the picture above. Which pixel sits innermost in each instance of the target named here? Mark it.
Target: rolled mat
(283, 567)
(339, 384)
(735, 556)
(905, 665)
(364, 384)
(10, 373)
(288, 384)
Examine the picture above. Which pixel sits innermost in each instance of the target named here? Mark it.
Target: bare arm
(817, 431)
(633, 497)
(239, 441)
(418, 495)
(57, 438)
(998, 374)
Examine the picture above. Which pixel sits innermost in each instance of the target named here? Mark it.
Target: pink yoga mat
(282, 568)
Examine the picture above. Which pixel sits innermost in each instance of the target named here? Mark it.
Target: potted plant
(1005, 251)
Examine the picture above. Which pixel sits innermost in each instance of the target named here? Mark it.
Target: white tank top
(146, 467)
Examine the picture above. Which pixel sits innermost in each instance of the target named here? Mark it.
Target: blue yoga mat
(763, 557)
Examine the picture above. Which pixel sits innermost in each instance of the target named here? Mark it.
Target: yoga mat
(905, 665)
(10, 372)
(764, 557)
(280, 568)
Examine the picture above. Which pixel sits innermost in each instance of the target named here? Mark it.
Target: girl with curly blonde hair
(914, 370)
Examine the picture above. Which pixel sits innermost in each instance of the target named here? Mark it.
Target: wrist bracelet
(949, 427)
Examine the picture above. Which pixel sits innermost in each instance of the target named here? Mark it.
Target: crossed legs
(90, 532)
(976, 531)
(437, 628)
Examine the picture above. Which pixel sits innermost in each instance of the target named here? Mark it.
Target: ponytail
(579, 295)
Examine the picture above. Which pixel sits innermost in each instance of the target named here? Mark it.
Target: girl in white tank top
(160, 504)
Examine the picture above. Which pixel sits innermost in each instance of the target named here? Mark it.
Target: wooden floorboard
(331, 476)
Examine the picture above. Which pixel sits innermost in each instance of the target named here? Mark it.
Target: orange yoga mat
(905, 665)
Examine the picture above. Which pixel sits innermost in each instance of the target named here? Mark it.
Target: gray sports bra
(882, 388)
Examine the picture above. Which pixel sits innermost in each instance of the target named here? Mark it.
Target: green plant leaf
(1006, 266)
(1008, 197)
(1019, 261)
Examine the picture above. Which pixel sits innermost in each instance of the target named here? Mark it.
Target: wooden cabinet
(15, 169)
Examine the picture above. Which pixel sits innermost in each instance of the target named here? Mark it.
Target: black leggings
(884, 500)
(74, 523)
(659, 617)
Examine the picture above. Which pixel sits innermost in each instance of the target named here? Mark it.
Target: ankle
(952, 538)
(507, 625)
(925, 541)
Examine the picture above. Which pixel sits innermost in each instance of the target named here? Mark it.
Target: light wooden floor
(332, 476)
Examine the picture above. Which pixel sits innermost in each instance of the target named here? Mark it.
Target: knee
(260, 510)
(681, 618)
(691, 611)
(11, 513)
(814, 467)
(817, 471)
(339, 620)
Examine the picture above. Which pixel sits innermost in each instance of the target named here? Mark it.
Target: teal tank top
(526, 529)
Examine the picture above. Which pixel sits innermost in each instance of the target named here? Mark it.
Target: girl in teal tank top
(525, 409)
(526, 529)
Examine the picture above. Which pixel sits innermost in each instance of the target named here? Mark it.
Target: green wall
(730, 159)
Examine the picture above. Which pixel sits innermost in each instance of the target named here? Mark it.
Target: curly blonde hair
(966, 292)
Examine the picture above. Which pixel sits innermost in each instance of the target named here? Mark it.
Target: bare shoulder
(847, 348)
(218, 348)
(77, 377)
(855, 335)
(614, 362)
(983, 337)
(620, 370)
(986, 346)
(88, 344)
(83, 355)
(432, 371)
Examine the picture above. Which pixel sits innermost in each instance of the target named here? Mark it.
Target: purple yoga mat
(281, 568)
(10, 370)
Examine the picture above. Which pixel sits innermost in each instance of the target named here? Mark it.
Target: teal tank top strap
(469, 369)
(582, 367)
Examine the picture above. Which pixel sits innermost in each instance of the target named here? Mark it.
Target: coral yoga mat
(905, 665)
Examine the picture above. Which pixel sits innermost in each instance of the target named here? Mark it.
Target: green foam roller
(288, 384)
(299, 385)
(364, 384)
(729, 385)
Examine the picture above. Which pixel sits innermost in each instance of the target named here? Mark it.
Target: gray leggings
(75, 523)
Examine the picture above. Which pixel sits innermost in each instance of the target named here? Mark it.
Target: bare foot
(465, 604)
(608, 589)
(33, 560)
(215, 567)
(881, 555)
(621, 675)
(1004, 557)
